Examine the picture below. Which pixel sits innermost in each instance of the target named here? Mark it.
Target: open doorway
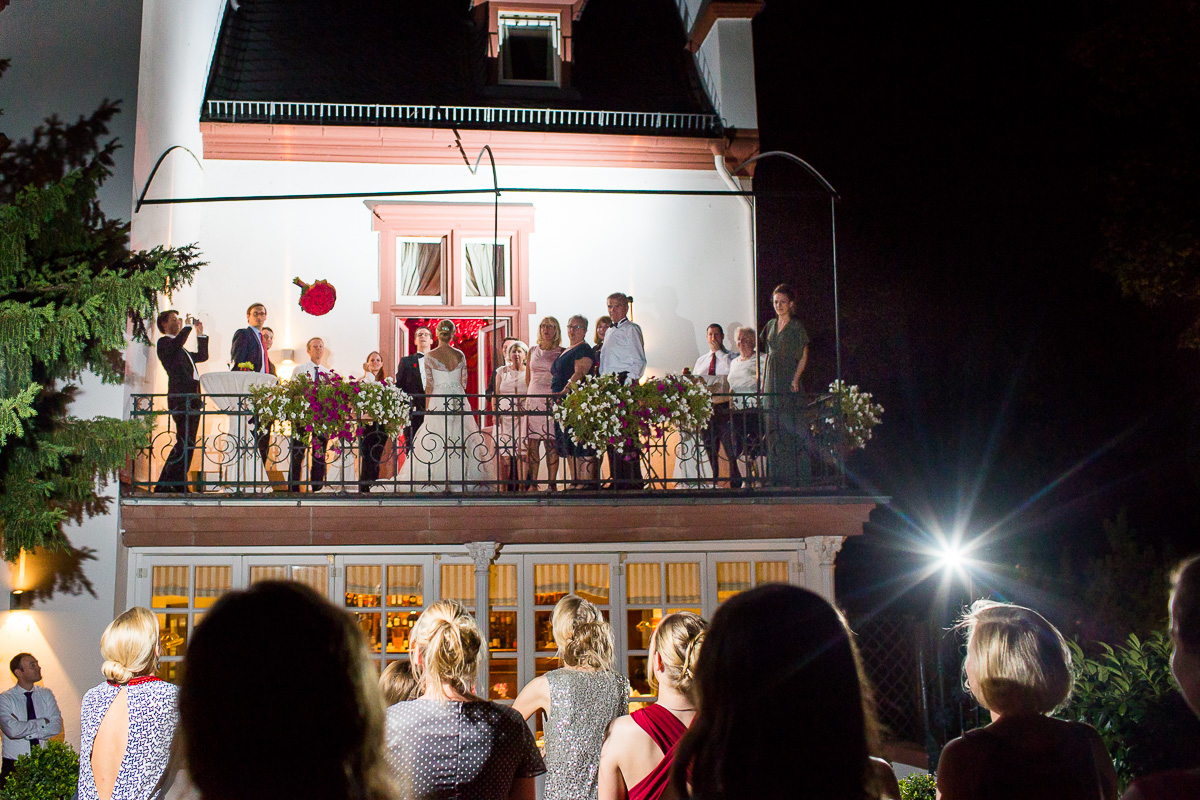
(477, 339)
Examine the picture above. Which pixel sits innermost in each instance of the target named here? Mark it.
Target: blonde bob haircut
(551, 343)
(129, 645)
(677, 640)
(1020, 661)
(583, 637)
(448, 641)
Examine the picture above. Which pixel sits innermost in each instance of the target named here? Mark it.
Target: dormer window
(530, 49)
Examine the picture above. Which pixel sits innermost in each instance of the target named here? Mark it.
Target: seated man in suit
(410, 376)
(314, 370)
(183, 386)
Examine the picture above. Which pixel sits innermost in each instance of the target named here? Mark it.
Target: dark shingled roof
(629, 55)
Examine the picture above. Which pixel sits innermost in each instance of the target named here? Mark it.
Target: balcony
(466, 478)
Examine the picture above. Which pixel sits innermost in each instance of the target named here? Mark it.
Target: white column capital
(827, 548)
(482, 553)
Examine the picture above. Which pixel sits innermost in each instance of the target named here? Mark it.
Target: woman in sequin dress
(539, 426)
(579, 700)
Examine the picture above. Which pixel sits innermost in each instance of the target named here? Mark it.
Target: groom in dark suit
(248, 346)
(183, 386)
(410, 376)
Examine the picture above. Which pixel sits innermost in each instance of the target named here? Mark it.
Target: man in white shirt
(713, 369)
(624, 355)
(29, 714)
(314, 371)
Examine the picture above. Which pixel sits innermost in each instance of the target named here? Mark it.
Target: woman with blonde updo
(129, 720)
(449, 741)
(580, 700)
(450, 453)
(640, 748)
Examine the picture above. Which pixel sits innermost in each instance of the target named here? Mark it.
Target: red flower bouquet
(316, 298)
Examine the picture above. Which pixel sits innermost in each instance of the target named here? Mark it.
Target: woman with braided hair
(449, 742)
(580, 700)
(635, 763)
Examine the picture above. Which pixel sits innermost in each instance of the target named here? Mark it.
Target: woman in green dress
(786, 345)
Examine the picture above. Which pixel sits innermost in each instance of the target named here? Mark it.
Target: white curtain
(418, 269)
(482, 273)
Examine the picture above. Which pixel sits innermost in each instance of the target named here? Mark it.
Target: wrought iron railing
(488, 117)
(482, 445)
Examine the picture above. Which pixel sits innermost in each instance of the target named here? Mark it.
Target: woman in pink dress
(511, 385)
(539, 425)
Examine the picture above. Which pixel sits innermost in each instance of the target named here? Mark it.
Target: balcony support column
(819, 557)
(483, 553)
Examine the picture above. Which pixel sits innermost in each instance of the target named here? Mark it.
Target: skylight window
(530, 49)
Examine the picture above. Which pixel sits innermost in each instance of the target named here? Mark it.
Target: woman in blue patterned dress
(579, 700)
(127, 721)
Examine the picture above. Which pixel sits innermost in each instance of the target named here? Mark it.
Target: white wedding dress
(449, 451)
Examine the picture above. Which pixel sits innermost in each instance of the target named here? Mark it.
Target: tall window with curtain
(419, 274)
(485, 272)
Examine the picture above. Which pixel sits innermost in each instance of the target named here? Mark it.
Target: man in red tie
(713, 368)
(29, 713)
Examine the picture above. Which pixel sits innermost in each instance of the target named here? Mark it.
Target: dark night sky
(972, 147)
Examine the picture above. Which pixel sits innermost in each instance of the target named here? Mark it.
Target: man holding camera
(183, 394)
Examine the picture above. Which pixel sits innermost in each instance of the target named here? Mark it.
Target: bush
(1128, 695)
(49, 772)
(918, 787)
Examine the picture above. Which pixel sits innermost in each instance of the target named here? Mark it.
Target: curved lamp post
(833, 198)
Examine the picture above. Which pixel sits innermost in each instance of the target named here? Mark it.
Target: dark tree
(71, 291)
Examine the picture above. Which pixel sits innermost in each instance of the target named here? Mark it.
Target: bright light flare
(951, 556)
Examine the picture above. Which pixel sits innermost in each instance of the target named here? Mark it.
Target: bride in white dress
(449, 452)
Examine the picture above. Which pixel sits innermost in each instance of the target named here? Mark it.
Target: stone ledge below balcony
(574, 520)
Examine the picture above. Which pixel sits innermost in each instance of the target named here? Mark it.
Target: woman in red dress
(635, 763)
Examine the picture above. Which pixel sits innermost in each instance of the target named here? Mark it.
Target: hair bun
(115, 672)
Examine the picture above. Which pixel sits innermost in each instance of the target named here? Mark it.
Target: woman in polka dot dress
(449, 742)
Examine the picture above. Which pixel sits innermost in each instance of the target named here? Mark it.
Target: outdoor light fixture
(19, 600)
(287, 356)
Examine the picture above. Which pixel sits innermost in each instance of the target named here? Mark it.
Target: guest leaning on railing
(745, 426)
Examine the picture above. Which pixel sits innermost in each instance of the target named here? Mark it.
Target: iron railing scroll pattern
(476, 445)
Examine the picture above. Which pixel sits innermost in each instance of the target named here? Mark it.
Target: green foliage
(1127, 694)
(918, 787)
(1117, 589)
(70, 291)
(335, 407)
(49, 772)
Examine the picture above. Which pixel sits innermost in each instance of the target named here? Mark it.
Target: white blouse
(743, 379)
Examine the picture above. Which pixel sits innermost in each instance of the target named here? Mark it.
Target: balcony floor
(571, 519)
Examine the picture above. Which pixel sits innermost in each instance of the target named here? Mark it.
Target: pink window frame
(453, 222)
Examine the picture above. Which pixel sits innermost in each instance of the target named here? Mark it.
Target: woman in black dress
(568, 369)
